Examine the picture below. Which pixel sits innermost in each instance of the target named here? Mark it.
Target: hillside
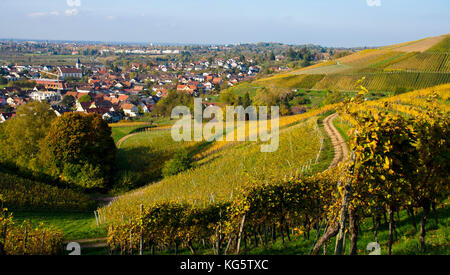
(224, 169)
(412, 65)
(282, 192)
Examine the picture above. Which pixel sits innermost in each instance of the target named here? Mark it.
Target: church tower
(78, 65)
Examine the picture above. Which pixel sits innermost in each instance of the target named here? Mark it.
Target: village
(126, 82)
(121, 95)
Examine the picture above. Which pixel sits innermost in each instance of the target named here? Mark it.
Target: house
(37, 95)
(85, 89)
(65, 73)
(50, 84)
(60, 110)
(112, 117)
(145, 107)
(208, 86)
(83, 106)
(187, 88)
(15, 101)
(217, 81)
(5, 116)
(75, 95)
(130, 110)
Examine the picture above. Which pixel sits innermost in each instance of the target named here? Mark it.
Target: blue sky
(326, 22)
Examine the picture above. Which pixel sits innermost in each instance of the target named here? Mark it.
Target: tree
(291, 54)
(305, 63)
(81, 150)
(22, 83)
(85, 98)
(68, 101)
(228, 97)
(246, 101)
(173, 99)
(272, 56)
(23, 135)
(333, 97)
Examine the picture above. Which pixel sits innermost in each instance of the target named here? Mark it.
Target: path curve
(341, 151)
(122, 140)
(125, 138)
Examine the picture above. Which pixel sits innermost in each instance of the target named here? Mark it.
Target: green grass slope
(441, 47)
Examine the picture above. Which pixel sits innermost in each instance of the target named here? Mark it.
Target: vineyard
(424, 62)
(19, 193)
(24, 239)
(384, 81)
(414, 65)
(253, 129)
(218, 177)
(254, 207)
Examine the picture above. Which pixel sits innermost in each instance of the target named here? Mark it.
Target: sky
(333, 23)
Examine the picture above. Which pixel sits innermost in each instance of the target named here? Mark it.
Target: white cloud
(373, 3)
(74, 3)
(71, 12)
(42, 14)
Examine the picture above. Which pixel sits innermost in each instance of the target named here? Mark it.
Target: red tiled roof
(70, 70)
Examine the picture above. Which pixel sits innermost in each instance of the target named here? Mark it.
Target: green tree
(68, 101)
(81, 150)
(165, 106)
(85, 98)
(246, 101)
(228, 97)
(272, 56)
(22, 136)
(333, 97)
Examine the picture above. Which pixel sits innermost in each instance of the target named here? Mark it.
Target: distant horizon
(330, 23)
(148, 43)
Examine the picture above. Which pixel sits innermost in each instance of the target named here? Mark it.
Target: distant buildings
(37, 95)
(65, 73)
(50, 84)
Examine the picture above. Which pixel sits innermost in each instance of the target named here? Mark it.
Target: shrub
(179, 163)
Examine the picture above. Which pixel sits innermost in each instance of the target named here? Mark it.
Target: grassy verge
(343, 128)
(119, 132)
(327, 154)
(74, 225)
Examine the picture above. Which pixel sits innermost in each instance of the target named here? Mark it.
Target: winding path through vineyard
(339, 145)
(340, 154)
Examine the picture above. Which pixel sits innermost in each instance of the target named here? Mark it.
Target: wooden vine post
(141, 234)
(340, 238)
(241, 229)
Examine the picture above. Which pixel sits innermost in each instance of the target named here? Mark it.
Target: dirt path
(125, 138)
(90, 243)
(340, 147)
